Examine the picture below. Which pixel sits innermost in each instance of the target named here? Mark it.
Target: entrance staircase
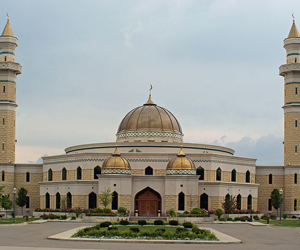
(147, 218)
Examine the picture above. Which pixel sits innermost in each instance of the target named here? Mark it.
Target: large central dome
(149, 123)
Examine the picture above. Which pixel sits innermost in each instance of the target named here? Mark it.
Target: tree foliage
(229, 204)
(275, 197)
(21, 199)
(6, 203)
(1, 190)
(105, 197)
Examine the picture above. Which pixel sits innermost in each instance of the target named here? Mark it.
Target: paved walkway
(34, 236)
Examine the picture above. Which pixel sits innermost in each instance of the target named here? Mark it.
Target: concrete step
(149, 218)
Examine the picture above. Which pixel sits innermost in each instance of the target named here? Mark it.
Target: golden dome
(181, 162)
(150, 118)
(116, 161)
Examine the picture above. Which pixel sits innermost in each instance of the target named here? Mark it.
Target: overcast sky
(213, 64)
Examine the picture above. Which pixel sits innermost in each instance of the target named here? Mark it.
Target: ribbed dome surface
(116, 161)
(150, 117)
(180, 162)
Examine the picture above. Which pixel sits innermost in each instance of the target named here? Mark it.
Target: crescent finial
(7, 16)
(293, 16)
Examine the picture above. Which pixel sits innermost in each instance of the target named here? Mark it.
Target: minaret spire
(7, 30)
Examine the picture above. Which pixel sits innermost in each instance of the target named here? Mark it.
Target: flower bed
(187, 231)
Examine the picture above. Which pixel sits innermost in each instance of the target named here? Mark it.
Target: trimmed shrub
(218, 212)
(229, 219)
(173, 223)
(107, 210)
(284, 216)
(73, 218)
(187, 225)
(196, 210)
(124, 222)
(180, 230)
(63, 217)
(222, 219)
(245, 218)
(122, 210)
(112, 228)
(158, 222)
(273, 217)
(105, 224)
(255, 217)
(237, 218)
(160, 231)
(142, 222)
(264, 217)
(99, 210)
(134, 229)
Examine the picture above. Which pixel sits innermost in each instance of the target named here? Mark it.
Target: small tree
(1, 190)
(21, 199)
(6, 203)
(275, 199)
(218, 212)
(229, 204)
(105, 197)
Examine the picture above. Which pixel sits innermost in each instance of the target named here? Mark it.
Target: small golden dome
(116, 161)
(181, 162)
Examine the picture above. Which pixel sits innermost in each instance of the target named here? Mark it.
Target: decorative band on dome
(181, 172)
(149, 134)
(116, 171)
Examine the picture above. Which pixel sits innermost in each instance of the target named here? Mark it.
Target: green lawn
(285, 223)
(19, 220)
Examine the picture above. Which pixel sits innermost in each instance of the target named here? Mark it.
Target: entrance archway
(92, 200)
(204, 201)
(148, 202)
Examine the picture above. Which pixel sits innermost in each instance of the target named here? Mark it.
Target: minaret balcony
(286, 68)
(16, 67)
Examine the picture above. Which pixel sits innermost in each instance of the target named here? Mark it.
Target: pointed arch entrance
(148, 202)
(92, 200)
(204, 201)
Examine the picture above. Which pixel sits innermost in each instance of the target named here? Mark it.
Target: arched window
(227, 197)
(296, 90)
(5, 58)
(181, 201)
(92, 200)
(64, 174)
(79, 173)
(114, 203)
(27, 202)
(57, 196)
(47, 197)
(97, 170)
(219, 174)
(3, 175)
(27, 177)
(200, 173)
(149, 171)
(249, 202)
(239, 202)
(270, 179)
(50, 174)
(233, 175)
(295, 178)
(204, 201)
(69, 200)
(248, 176)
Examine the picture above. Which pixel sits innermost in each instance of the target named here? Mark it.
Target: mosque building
(150, 168)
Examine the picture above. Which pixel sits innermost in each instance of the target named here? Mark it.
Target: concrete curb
(223, 238)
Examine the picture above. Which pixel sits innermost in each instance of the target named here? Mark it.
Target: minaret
(8, 76)
(291, 73)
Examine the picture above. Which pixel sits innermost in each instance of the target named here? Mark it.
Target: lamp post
(15, 191)
(280, 195)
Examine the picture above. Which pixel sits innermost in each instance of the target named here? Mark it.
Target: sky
(213, 64)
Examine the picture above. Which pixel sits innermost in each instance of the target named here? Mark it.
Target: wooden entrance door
(148, 203)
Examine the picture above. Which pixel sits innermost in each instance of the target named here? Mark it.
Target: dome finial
(116, 151)
(181, 152)
(150, 99)
(293, 32)
(7, 16)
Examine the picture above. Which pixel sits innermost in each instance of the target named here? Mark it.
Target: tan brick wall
(8, 184)
(42, 202)
(87, 174)
(226, 176)
(8, 136)
(80, 201)
(290, 192)
(56, 175)
(10, 91)
(71, 174)
(191, 201)
(159, 172)
(215, 202)
(209, 175)
(290, 93)
(171, 202)
(241, 177)
(265, 189)
(125, 201)
(291, 138)
(137, 172)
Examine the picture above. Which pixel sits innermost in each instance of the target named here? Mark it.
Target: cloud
(129, 32)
